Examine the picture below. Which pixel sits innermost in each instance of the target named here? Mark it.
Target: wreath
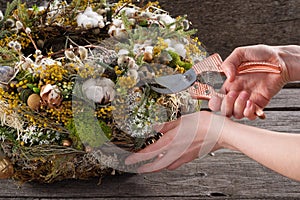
(75, 85)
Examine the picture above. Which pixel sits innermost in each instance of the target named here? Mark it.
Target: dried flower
(51, 95)
(7, 73)
(19, 25)
(83, 52)
(17, 46)
(90, 19)
(127, 62)
(99, 90)
(10, 23)
(11, 44)
(1, 16)
(28, 31)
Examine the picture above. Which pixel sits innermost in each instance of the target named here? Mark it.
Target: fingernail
(228, 74)
(249, 104)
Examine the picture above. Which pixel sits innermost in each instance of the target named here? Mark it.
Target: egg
(34, 102)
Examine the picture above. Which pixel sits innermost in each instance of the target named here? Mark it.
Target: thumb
(229, 70)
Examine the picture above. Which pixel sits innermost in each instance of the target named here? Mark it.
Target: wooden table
(227, 175)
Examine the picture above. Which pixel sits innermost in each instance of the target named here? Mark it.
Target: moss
(176, 61)
(85, 129)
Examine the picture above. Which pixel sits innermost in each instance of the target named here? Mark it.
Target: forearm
(277, 151)
(291, 57)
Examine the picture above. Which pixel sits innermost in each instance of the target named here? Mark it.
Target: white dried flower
(27, 63)
(149, 49)
(83, 52)
(28, 31)
(130, 12)
(81, 18)
(99, 90)
(180, 49)
(70, 55)
(11, 44)
(123, 52)
(117, 22)
(19, 25)
(127, 61)
(51, 95)
(120, 34)
(177, 47)
(133, 73)
(90, 19)
(1, 16)
(167, 19)
(38, 52)
(17, 46)
(10, 23)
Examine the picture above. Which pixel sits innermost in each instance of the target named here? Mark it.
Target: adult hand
(246, 90)
(185, 139)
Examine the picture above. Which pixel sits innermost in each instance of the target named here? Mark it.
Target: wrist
(290, 56)
(225, 136)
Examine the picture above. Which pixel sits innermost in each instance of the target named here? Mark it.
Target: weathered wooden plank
(223, 26)
(283, 121)
(227, 175)
(286, 98)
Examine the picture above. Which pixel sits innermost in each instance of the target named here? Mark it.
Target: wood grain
(224, 25)
(225, 175)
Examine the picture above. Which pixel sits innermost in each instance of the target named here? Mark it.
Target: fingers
(159, 164)
(249, 111)
(163, 128)
(231, 63)
(149, 152)
(215, 103)
(240, 105)
(237, 105)
(227, 106)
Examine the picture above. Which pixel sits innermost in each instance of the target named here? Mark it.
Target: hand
(185, 139)
(246, 90)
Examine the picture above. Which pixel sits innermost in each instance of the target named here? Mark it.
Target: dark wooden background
(223, 25)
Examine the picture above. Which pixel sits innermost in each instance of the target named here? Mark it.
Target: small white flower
(127, 61)
(167, 19)
(180, 49)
